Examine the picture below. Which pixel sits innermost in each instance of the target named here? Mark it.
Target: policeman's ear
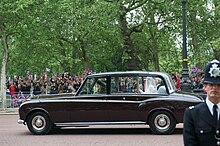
(205, 85)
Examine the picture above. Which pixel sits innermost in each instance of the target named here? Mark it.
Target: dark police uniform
(200, 127)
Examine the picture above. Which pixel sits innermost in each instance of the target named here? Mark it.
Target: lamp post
(185, 82)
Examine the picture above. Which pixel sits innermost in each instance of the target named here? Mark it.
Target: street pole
(185, 82)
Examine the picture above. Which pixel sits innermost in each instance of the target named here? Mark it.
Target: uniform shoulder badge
(191, 107)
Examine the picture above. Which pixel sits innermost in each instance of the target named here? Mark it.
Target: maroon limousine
(112, 98)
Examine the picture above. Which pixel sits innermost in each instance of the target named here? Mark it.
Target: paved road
(13, 134)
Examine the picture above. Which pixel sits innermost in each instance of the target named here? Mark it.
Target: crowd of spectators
(20, 88)
(196, 77)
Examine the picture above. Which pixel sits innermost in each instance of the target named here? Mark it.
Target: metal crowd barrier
(20, 97)
(17, 99)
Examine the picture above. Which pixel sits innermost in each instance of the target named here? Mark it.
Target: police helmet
(212, 73)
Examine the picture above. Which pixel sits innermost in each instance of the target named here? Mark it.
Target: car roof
(127, 73)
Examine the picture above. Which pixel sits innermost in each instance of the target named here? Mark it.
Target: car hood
(50, 96)
(47, 97)
(187, 96)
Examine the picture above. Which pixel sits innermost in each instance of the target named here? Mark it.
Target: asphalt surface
(14, 134)
(8, 111)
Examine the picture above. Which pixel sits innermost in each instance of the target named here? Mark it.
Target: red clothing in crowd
(12, 90)
(177, 83)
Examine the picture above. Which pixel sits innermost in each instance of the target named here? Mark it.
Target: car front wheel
(162, 122)
(39, 123)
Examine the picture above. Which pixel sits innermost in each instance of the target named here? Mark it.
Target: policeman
(201, 123)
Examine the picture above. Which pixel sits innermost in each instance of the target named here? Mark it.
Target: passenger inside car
(149, 86)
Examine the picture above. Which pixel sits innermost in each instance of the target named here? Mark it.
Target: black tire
(39, 123)
(162, 122)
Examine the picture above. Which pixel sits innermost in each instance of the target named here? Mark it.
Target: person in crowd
(60, 87)
(54, 88)
(12, 90)
(176, 81)
(31, 88)
(194, 82)
(48, 87)
(37, 88)
(77, 84)
(129, 87)
(201, 122)
(70, 87)
(25, 88)
(200, 82)
(65, 87)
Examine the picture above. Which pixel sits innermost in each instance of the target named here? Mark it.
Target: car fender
(35, 110)
(158, 109)
(148, 109)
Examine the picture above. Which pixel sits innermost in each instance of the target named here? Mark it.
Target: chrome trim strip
(93, 101)
(97, 123)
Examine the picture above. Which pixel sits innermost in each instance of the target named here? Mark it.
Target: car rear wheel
(39, 123)
(162, 122)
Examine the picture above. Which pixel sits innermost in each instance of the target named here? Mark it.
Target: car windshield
(170, 83)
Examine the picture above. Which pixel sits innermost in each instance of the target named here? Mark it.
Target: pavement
(8, 111)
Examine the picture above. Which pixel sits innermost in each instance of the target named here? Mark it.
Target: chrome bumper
(21, 121)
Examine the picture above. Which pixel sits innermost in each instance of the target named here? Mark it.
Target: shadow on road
(145, 131)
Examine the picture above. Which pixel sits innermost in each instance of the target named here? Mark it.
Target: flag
(47, 69)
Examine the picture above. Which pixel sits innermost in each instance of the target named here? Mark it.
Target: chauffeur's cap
(212, 72)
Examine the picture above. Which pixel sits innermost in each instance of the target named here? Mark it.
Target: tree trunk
(3, 70)
(127, 43)
(153, 30)
(197, 53)
(131, 62)
(85, 59)
(155, 56)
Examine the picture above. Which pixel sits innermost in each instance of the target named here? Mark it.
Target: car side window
(94, 86)
(138, 85)
(152, 85)
(100, 86)
(148, 85)
(124, 85)
(161, 87)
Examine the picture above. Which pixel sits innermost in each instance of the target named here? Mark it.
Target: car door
(123, 103)
(90, 105)
(123, 108)
(128, 93)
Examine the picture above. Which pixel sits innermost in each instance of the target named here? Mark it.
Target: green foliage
(86, 34)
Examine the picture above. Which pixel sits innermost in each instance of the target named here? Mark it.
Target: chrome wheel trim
(38, 122)
(162, 122)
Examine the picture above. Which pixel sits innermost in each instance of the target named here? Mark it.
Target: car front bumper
(21, 121)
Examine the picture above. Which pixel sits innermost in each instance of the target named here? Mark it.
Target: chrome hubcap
(162, 121)
(38, 122)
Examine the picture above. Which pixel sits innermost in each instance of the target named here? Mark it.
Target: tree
(130, 21)
(6, 32)
(202, 29)
(4, 40)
